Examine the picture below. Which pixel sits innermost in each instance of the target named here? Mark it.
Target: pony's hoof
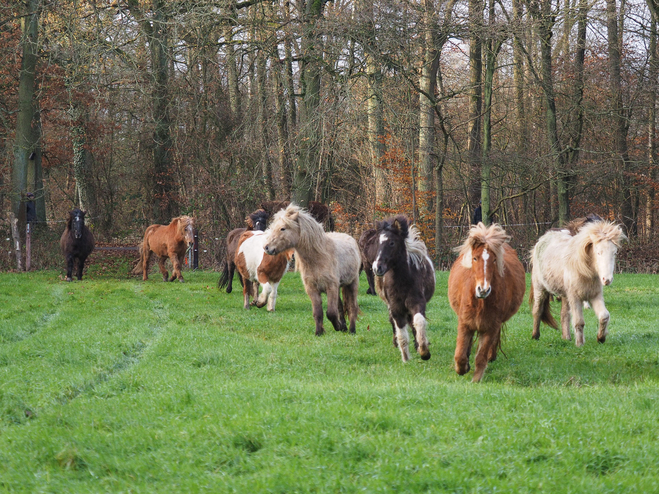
(320, 332)
(69, 279)
(535, 336)
(181, 280)
(601, 339)
(229, 289)
(462, 370)
(425, 356)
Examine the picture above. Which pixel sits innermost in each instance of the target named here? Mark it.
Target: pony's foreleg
(350, 293)
(146, 259)
(420, 325)
(565, 318)
(317, 304)
(177, 262)
(81, 266)
(540, 298)
(370, 278)
(602, 315)
(577, 320)
(262, 299)
(463, 349)
(403, 337)
(69, 267)
(272, 298)
(333, 308)
(485, 342)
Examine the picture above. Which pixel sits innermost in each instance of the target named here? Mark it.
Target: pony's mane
(183, 222)
(592, 233)
(312, 234)
(417, 251)
(494, 237)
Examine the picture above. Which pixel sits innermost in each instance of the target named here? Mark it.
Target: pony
(485, 289)
(368, 248)
(255, 267)
(77, 242)
(405, 281)
(574, 268)
(327, 262)
(167, 241)
(256, 221)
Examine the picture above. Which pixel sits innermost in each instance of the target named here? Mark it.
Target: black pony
(77, 242)
(255, 221)
(368, 248)
(405, 281)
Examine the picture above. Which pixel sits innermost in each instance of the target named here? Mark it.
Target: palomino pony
(485, 289)
(575, 268)
(368, 248)
(327, 262)
(255, 267)
(167, 241)
(256, 221)
(77, 243)
(405, 281)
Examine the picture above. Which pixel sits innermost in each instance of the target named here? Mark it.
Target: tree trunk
(475, 99)
(652, 128)
(521, 117)
(26, 139)
(621, 158)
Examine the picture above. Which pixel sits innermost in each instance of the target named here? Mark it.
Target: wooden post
(28, 247)
(195, 250)
(13, 220)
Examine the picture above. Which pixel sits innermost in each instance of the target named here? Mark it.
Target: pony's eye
(475, 258)
(391, 244)
(283, 229)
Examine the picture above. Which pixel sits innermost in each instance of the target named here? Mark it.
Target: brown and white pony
(327, 262)
(574, 267)
(368, 248)
(405, 281)
(256, 221)
(485, 289)
(77, 242)
(167, 241)
(255, 266)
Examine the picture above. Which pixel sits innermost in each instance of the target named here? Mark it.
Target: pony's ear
(249, 222)
(292, 214)
(466, 258)
(381, 225)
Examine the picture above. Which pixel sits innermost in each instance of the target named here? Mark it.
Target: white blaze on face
(486, 256)
(383, 239)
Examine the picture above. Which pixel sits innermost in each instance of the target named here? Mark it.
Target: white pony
(327, 262)
(575, 268)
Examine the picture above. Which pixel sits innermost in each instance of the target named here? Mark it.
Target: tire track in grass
(48, 316)
(129, 357)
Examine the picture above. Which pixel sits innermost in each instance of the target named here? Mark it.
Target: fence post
(17, 241)
(195, 250)
(28, 247)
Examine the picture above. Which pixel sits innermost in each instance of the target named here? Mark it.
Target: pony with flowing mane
(485, 289)
(256, 221)
(327, 262)
(405, 281)
(574, 267)
(166, 242)
(77, 242)
(256, 267)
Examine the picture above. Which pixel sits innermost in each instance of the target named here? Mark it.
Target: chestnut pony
(256, 267)
(485, 289)
(405, 281)
(256, 221)
(167, 241)
(327, 262)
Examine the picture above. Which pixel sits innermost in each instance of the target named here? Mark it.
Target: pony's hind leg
(272, 298)
(603, 317)
(317, 304)
(350, 293)
(578, 321)
(370, 278)
(333, 309)
(163, 269)
(541, 298)
(420, 325)
(463, 349)
(247, 292)
(565, 318)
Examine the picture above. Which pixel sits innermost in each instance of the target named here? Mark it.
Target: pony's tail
(224, 277)
(138, 269)
(545, 310)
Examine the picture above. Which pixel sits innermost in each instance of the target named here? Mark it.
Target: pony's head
(186, 228)
(392, 246)
(76, 222)
(598, 243)
(257, 220)
(284, 230)
(483, 252)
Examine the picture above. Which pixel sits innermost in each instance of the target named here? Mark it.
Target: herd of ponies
(486, 283)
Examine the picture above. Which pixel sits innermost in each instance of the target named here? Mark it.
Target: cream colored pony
(575, 268)
(326, 262)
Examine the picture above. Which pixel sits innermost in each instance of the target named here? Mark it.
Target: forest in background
(139, 111)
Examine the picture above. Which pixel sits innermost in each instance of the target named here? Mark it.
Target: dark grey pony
(77, 243)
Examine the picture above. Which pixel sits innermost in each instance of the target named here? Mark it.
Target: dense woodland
(138, 111)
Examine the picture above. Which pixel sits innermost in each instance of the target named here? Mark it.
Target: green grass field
(115, 385)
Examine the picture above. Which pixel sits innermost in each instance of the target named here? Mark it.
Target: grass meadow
(116, 385)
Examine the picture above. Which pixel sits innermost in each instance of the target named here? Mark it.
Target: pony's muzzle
(480, 293)
(607, 281)
(269, 250)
